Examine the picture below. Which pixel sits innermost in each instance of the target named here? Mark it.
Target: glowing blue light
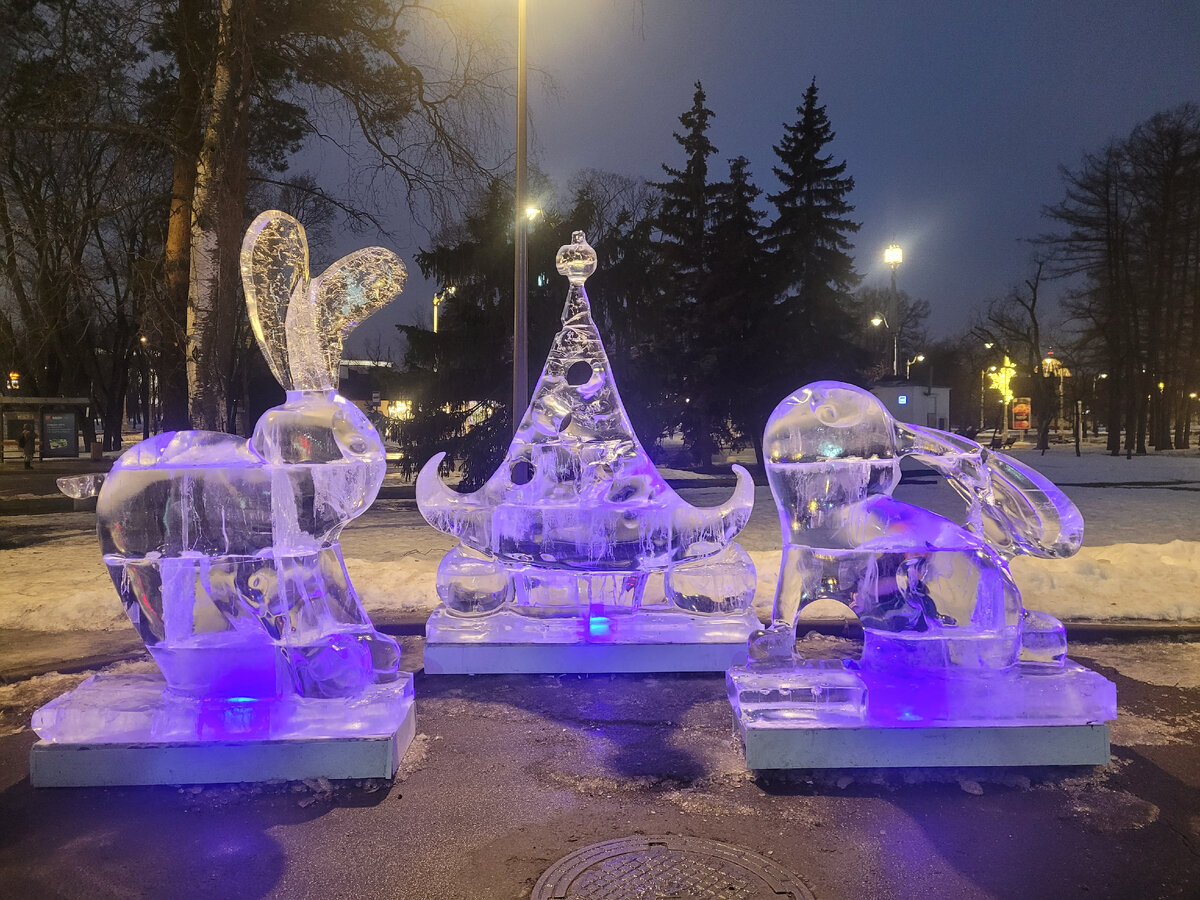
(599, 626)
(902, 399)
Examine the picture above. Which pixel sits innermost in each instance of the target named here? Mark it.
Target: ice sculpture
(946, 639)
(225, 551)
(560, 543)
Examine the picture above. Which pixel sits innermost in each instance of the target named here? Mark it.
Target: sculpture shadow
(155, 841)
(629, 723)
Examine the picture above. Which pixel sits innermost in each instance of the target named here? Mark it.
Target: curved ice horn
(717, 523)
(447, 510)
(460, 514)
(274, 265)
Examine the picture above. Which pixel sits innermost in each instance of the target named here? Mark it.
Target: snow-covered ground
(1140, 560)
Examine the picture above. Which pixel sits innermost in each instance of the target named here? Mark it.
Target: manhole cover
(666, 867)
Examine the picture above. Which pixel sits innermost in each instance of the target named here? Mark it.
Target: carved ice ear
(274, 266)
(347, 292)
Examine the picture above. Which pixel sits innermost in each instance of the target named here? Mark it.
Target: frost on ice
(225, 552)
(946, 637)
(576, 521)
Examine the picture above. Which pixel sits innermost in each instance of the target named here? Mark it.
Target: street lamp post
(1100, 377)
(987, 345)
(438, 299)
(894, 256)
(144, 385)
(880, 319)
(1187, 421)
(920, 357)
(520, 222)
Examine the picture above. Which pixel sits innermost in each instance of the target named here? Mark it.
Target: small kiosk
(55, 423)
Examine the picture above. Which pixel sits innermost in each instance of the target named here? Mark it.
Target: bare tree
(1018, 324)
(1130, 226)
(417, 88)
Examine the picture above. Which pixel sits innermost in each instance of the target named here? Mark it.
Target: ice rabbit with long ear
(225, 551)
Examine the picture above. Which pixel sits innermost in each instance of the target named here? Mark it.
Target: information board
(60, 434)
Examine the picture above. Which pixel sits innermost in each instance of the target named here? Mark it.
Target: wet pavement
(508, 774)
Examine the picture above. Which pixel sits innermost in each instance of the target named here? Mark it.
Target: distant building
(917, 404)
(373, 385)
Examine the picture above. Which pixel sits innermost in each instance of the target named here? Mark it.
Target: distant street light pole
(1187, 421)
(438, 300)
(880, 319)
(894, 256)
(520, 221)
(920, 357)
(987, 345)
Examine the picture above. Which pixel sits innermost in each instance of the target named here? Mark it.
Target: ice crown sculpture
(225, 551)
(576, 518)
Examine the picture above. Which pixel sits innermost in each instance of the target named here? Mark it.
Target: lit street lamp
(438, 299)
(1002, 377)
(920, 357)
(521, 220)
(1187, 420)
(880, 319)
(893, 256)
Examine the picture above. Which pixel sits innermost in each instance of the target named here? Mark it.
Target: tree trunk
(170, 364)
(214, 294)
(1114, 413)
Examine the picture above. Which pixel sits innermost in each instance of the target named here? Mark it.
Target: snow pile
(1120, 581)
(1140, 560)
(62, 585)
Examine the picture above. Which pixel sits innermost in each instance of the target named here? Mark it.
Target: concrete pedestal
(144, 744)
(649, 640)
(560, 659)
(855, 748)
(827, 715)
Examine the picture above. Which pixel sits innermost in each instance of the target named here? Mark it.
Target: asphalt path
(508, 774)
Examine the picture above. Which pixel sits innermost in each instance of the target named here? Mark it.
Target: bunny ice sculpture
(931, 595)
(225, 551)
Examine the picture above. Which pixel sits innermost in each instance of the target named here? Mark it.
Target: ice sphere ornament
(947, 642)
(558, 547)
(225, 551)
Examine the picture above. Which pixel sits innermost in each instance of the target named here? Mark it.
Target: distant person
(26, 442)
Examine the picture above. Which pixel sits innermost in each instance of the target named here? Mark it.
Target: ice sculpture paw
(225, 551)
(928, 592)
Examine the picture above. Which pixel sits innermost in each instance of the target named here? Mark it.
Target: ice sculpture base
(812, 717)
(646, 641)
(123, 730)
(937, 746)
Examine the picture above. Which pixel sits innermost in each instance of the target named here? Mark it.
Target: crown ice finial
(576, 260)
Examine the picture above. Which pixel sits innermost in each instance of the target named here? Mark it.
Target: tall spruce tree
(685, 264)
(618, 213)
(460, 378)
(742, 370)
(809, 243)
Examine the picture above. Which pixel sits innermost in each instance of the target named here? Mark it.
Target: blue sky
(953, 117)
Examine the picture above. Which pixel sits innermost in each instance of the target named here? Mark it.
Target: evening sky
(953, 117)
